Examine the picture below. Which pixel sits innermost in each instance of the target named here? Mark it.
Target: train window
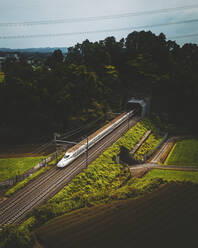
(66, 156)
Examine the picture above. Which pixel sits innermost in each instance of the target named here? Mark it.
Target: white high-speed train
(75, 151)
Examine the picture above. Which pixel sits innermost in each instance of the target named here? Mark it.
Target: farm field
(165, 217)
(184, 153)
(11, 167)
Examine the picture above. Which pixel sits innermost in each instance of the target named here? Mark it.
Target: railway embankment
(105, 179)
(95, 183)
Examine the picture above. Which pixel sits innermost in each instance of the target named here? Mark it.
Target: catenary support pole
(87, 153)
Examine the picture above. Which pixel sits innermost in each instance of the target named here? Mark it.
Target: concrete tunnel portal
(143, 106)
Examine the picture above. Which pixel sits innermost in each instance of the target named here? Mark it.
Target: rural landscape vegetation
(142, 189)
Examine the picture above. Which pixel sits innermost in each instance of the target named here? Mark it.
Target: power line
(183, 36)
(41, 148)
(78, 130)
(98, 31)
(74, 132)
(98, 18)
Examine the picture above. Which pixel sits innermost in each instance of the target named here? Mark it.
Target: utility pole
(55, 146)
(87, 153)
(55, 143)
(128, 121)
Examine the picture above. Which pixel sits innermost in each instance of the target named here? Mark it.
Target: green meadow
(184, 153)
(173, 175)
(11, 167)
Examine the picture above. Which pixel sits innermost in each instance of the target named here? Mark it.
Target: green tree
(13, 236)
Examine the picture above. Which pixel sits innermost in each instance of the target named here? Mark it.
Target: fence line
(43, 163)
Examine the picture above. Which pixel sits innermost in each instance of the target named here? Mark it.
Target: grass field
(165, 218)
(173, 175)
(14, 166)
(184, 153)
(1, 77)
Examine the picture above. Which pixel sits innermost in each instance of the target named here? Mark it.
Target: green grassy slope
(14, 166)
(136, 187)
(171, 175)
(165, 218)
(148, 145)
(184, 153)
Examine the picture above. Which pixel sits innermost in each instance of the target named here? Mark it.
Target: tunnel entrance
(137, 108)
(139, 105)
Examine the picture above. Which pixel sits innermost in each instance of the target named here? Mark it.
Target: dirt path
(137, 167)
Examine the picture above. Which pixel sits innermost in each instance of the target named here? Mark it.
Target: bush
(28, 224)
(136, 187)
(152, 141)
(41, 215)
(126, 157)
(14, 237)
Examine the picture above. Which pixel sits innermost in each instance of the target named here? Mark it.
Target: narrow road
(159, 153)
(15, 209)
(165, 167)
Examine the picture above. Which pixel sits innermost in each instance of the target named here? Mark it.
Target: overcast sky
(39, 10)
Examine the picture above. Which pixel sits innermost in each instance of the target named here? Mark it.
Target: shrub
(152, 141)
(126, 157)
(12, 236)
(28, 224)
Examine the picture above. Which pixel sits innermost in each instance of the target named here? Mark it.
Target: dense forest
(95, 78)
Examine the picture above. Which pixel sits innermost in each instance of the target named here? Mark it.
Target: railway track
(15, 209)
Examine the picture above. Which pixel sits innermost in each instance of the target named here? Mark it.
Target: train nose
(60, 165)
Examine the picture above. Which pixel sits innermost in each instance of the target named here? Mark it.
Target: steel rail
(28, 198)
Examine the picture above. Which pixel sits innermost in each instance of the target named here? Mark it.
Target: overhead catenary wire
(100, 31)
(98, 18)
(184, 36)
(41, 148)
(80, 129)
(72, 132)
(89, 132)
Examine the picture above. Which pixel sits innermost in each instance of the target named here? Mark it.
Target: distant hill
(35, 50)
